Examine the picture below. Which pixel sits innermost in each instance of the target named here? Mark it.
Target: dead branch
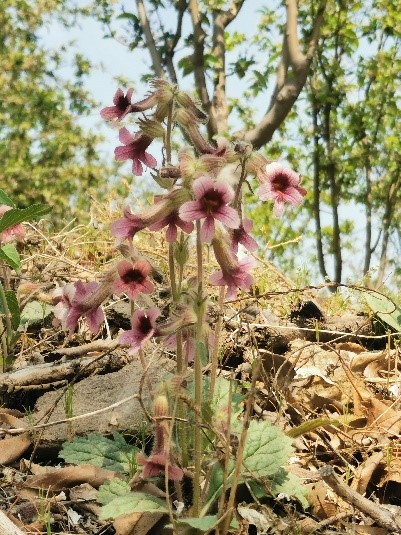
(382, 516)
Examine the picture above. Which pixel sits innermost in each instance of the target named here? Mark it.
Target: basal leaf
(99, 451)
(17, 215)
(112, 489)
(35, 312)
(289, 485)
(9, 255)
(135, 502)
(5, 199)
(384, 309)
(204, 524)
(13, 308)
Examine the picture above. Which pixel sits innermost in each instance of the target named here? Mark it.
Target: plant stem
(198, 377)
(5, 337)
(237, 198)
(216, 346)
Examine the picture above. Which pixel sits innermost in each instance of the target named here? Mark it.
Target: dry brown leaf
(84, 492)
(382, 416)
(352, 347)
(70, 477)
(136, 523)
(11, 448)
(321, 507)
(363, 474)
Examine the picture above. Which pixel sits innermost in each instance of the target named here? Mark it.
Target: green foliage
(13, 308)
(135, 502)
(100, 451)
(46, 156)
(384, 308)
(17, 215)
(112, 489)
(9, 255)
(35, 312)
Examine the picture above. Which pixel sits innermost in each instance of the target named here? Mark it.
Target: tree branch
(149, 40)
(285, 94)
(198, 59)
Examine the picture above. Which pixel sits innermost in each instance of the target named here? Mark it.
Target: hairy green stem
(198, 377)
(216, 347)
(5, 337)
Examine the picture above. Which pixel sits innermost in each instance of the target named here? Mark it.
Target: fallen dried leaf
(12, 448)
(70, 477)
(136, 523)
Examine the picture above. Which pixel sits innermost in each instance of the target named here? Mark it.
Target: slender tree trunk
(368, 211)
(334, 192)
(316, 188)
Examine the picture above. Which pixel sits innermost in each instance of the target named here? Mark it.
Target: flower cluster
(202, 195)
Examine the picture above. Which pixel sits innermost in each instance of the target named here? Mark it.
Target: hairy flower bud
(151, 128)
(187, 102)
(160, 407)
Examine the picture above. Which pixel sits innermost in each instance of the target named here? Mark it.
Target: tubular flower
(143, 328)
(134, 148)
(234, 274)
(127, 226)
(282, 185)
(122, 106)
(80, 299)
(211, 203)
(172, 221)
(241, 236)
(15, 232)
(133, 278)
(160, 458)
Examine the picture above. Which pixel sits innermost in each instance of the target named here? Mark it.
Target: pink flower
(134, 148)
(241, 235)
(282, 185)
(155, 465)
(234, 274)
(143, 328)
(122, 106)
(172, 221)
(127, 226)
(133, 278)
(211, 204)
(16, 231)
(79, 299)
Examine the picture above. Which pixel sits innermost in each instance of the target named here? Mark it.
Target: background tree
(45, 155)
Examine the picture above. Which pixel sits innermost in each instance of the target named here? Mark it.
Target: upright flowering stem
(5, 338)
(216, 347)
(198, 374)
(237, 198)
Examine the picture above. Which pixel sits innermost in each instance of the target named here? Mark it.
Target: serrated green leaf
(111, 489)
(9, 255)
(17, 215)
(267, 449)
(35, 312)
(385, 309)
(136, 502)
(13, 308)
(310, 425)
(99, 451)
(289, 484)
(204, 524)
(5, 199)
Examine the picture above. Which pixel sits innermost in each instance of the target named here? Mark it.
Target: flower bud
(187, 102)
(185, 118)
(151, 128)
(160, 407)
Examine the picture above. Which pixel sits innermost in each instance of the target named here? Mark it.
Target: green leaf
(290, 485)
(111, 489)
(17, 215)
(5, 199)
(186, 64)
(9, 255)
(99, 451)
(267, 449)
(13, 308)
(201, 353)
(310, 425)
(35, 312)
(204, 524)
(384, 309)
(135, 502)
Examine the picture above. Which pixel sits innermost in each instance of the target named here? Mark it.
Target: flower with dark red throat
(80, 299)
(241, 236)
(281, 185)
(234, 273)
(143, 328)
(211, 203)
(126, 227)
(172, 221)
(122, 106)
(15, 232)
(134, 148)
(133, 278)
